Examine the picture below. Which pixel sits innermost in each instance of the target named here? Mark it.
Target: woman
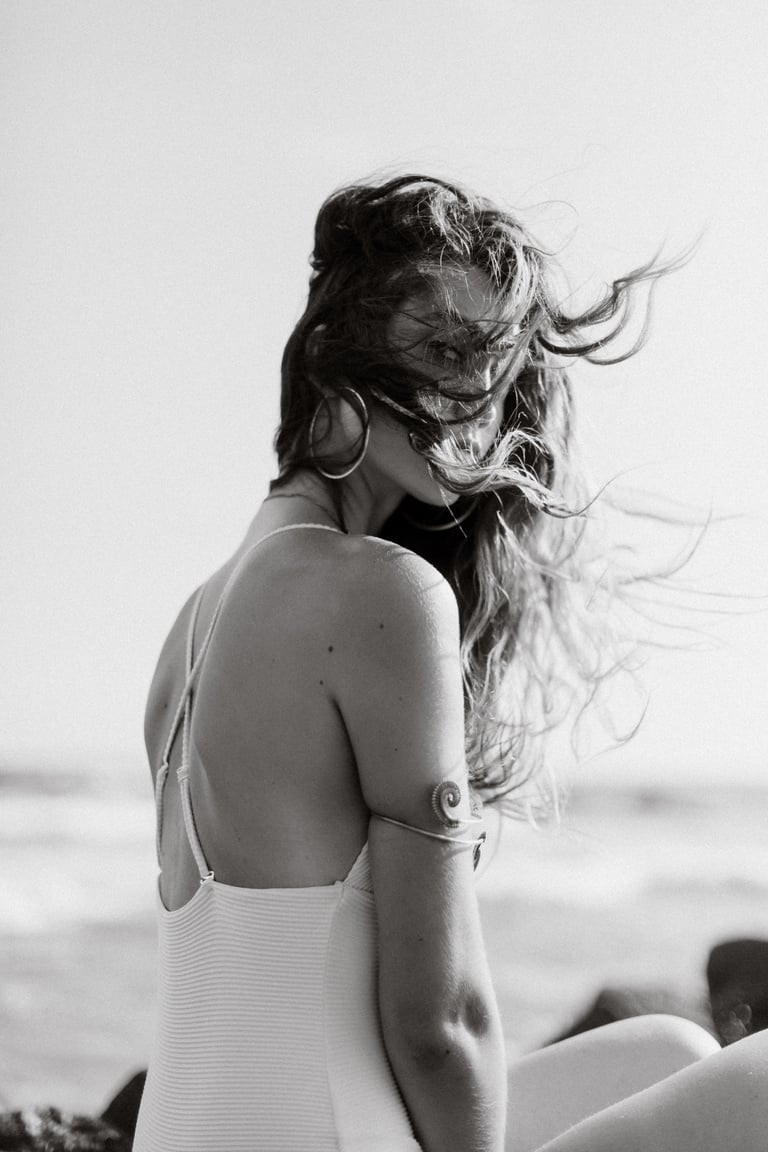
(330, 708)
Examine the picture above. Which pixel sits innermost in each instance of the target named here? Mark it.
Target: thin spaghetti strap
(182, 772)
(183, 708)
(162, 771)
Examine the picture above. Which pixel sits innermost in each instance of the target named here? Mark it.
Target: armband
(446, 797)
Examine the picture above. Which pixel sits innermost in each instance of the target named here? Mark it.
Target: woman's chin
(437, 497)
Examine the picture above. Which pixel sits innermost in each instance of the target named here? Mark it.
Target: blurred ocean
(78, 849)
(633, 889)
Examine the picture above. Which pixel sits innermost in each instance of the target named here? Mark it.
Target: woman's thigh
(555, 1088)
(715, 1105)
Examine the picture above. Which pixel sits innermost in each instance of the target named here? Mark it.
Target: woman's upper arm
(400, 690)
(402, 703)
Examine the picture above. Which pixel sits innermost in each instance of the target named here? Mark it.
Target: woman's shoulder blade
(362, 594)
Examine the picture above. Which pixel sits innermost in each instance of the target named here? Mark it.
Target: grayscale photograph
(384, 697)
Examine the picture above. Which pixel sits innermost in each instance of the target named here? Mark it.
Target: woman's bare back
(274, 787)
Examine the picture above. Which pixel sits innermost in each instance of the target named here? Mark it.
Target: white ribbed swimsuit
(267, 1036)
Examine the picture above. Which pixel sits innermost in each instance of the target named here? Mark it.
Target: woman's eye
(499, 362)
(444, 353)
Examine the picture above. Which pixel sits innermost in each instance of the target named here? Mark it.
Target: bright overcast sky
(163, 163)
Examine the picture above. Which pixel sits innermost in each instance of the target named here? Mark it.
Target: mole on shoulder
(322, 682)
(381, 625)
(330, 647)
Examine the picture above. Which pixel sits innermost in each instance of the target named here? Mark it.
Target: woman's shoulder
(354, 566)
(388, 594)
(356, 582)
(378, 572)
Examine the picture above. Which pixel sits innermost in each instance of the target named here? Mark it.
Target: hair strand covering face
(536, 634)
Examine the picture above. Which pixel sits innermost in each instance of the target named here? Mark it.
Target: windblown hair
(534, 644)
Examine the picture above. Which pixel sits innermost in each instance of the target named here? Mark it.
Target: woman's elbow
(436, 1032)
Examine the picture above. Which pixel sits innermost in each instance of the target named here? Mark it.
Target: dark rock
(737, 974)
(122, 1111)
(50, 1130)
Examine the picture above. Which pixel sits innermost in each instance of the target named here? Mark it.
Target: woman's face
(430, 332)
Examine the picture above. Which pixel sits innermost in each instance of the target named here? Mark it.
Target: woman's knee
(556, 1087)
(675, 1041)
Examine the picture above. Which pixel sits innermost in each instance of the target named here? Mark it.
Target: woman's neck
(366, 504)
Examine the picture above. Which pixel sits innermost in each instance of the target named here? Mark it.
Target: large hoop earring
(365, 421)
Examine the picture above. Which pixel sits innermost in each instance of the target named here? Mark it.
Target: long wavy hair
(536, 626)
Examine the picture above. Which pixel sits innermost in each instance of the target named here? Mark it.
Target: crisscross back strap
(162, 771)
(183, 713)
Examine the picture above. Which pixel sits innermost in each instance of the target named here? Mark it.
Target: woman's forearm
(454, 1087)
